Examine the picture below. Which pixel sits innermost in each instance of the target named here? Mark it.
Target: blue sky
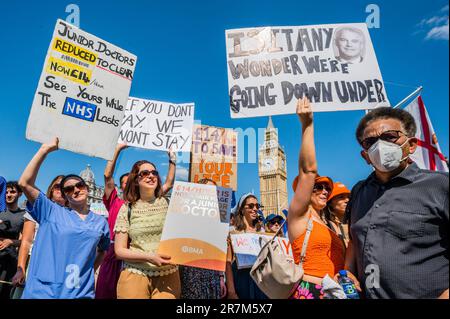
(182, 58)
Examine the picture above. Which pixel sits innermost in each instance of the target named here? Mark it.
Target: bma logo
(192, 250)
(80, 110)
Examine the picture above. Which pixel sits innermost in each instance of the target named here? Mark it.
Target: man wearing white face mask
(399, 215)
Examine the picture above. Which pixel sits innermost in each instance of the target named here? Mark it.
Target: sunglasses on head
(252, 205)
(146, 173)
(321, 187)
(391, 136)
(68, 190)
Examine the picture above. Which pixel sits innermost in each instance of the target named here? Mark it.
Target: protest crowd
(384, 237)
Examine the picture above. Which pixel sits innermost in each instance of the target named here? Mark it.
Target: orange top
(325, 252)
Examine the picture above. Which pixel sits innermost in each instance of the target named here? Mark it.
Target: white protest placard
(157, 125)
(246, 247)
(224, 196)
(82, 93)
(270, 68)
(193, 234)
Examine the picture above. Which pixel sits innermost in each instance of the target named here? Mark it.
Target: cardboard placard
(82, 93)
(214, 155)
(157, 125)
(193, 234)
(270, 68)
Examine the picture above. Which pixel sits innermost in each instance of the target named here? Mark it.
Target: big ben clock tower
(272, 173)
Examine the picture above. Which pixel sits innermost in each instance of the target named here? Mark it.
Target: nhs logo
(79, 109)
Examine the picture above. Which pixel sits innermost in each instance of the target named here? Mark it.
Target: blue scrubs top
(64, 251)
(2, 194)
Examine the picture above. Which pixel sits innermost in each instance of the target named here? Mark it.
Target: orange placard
(214, 155)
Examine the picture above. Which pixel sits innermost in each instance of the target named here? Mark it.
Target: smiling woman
(138, 231)
(239, 282)
(315, 246)
(73, 238)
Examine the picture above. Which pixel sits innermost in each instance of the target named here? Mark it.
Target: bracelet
(172, 162)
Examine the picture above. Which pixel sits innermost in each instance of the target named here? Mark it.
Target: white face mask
(386, 156)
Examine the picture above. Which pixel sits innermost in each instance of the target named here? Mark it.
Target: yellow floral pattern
(144, 231)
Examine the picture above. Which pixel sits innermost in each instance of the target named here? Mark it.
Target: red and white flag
(428, 153)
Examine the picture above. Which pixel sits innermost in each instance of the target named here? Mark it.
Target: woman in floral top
(146, 274)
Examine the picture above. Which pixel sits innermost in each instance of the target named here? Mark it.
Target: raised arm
(168, 184)
(307, 171)
(109, 170)
(28, 179)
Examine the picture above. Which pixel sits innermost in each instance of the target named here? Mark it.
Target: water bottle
(348, 285)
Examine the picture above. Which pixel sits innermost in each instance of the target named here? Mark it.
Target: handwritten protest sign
(157, 125)
(224, 196)
(270, 68)
(82, 93)
(246, 247)
(193, 234)
(214, 155)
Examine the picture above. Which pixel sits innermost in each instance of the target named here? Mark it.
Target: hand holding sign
(172, 157)
(304, 111)
(121, 146)
(52, 146)
(159, 259)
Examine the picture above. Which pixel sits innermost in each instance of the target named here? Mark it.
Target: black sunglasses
(321, 187)
(68, 190)
(145, 173)
(56, 186)
(391, 136)
(252, 205)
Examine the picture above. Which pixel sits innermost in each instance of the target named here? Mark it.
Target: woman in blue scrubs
(71, 241)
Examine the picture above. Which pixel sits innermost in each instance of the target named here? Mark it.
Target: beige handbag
(275, 275)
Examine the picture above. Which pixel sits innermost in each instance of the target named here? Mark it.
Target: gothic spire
(270, 124)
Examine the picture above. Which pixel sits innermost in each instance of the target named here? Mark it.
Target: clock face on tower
(268, 164)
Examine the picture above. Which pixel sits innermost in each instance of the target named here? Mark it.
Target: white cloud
(434, 20)
(182, 174)
(438, 33)
(436, 27)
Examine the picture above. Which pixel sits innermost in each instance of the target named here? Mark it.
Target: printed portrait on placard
(349, 45)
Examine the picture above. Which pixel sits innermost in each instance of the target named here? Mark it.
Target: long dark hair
(131, 193)
(239, 223)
